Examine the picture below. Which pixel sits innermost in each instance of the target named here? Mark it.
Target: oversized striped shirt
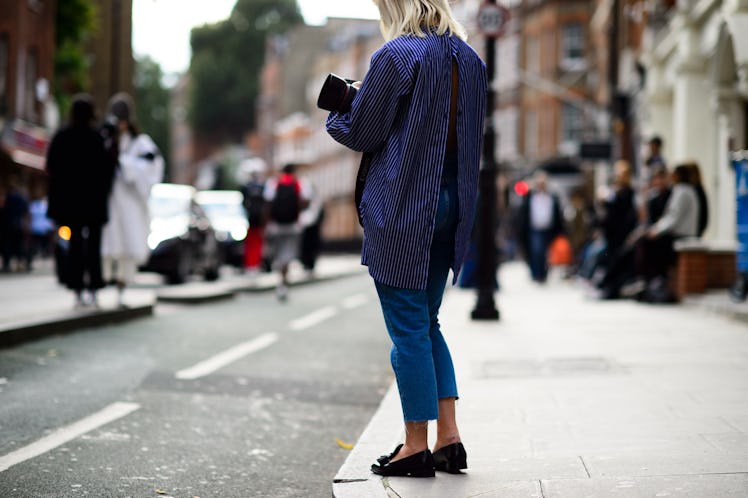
(401, 116)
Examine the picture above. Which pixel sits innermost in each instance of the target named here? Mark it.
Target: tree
(75, 22)
(227, 58)
(153, 99)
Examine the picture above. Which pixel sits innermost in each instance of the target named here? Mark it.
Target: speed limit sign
(492, 19)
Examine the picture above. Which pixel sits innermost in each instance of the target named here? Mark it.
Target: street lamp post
(492, 19)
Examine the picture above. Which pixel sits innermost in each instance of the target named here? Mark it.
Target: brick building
(26, 71)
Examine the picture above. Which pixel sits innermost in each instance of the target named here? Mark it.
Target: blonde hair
(410, 17)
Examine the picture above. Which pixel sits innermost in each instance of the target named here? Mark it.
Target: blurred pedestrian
(654, 256)
(694, 175)
(15, 225)
(254, 205)
(139, 167)
(419, 114)
(42, 227)
(620, 218)
(286, 196)
(580, 226)
(80, 179)
(540, 221)
(311, 220)
(680, 220)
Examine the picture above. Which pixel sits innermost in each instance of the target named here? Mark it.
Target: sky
(161, 28)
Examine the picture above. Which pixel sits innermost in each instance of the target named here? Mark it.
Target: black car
(182, 239)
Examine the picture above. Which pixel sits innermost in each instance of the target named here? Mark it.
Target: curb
(355, 479)
(15, 334)
(199, 297)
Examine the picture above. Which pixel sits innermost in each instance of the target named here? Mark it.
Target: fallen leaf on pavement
(343, 444)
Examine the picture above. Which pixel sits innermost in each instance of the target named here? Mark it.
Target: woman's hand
(356, 85)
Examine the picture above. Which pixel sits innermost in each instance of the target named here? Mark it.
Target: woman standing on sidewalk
(139, 167)
(423, 95)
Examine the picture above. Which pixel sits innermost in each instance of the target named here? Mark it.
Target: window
(29, 86)
(533, 55)
(572, 123)
(4, 52)
(572, 44)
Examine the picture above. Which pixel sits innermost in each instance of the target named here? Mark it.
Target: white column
(722, 219)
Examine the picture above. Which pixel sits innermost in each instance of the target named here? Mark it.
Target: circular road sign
(492, 19)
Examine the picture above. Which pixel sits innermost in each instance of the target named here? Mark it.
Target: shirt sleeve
(366, 126)
(673, 212)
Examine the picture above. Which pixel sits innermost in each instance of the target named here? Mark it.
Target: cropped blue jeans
(420, 356)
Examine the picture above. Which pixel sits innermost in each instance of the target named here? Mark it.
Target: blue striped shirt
(401, 115)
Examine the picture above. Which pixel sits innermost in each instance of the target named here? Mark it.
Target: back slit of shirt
(452, 135)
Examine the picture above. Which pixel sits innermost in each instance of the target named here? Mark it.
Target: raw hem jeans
(420, 356)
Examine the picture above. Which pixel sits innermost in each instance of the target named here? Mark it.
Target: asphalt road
(240, 398)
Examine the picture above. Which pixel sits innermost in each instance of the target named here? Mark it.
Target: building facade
(557, 109)
(695, 54)
(27, 44)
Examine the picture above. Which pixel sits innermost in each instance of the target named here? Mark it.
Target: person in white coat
(140, 165)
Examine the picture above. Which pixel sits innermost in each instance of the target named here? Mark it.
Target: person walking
(80, 178)
(311, 220)
(15, 228)
(540, 221)
(419, 115)
(286, 197)
(139, 167)
(254, 204)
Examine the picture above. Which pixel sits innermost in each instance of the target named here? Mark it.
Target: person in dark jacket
(540, 221)
(80, 178)
(14, 225)
(619, 219)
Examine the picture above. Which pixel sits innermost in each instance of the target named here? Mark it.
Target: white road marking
(355, 301)
(224, 358)
(67, 434)
(314, 318)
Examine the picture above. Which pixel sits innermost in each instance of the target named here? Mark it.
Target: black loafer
(417, 465)
(386, 458)
(451, 458)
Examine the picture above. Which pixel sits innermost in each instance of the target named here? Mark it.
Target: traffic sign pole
(492, 20)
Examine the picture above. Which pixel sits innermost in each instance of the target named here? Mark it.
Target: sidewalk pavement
(569, 397)
(34, 305)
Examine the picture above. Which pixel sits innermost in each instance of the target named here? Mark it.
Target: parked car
(182, 239)
(225, 208)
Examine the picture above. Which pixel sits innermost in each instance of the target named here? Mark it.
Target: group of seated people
(634, 254)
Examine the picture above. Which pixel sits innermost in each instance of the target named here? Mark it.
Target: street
(240, 398)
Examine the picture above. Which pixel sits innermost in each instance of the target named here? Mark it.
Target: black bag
(254, 203)
(286, 204)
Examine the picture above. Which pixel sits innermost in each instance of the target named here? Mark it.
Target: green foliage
(152, 99)
(74, 23)
(227, 58)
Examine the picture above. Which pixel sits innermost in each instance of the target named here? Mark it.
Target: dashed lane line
(67, 434)
(227, 357)
(355, 301)
(313, 318)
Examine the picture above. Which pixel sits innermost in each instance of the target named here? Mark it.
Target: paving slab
(699, 486)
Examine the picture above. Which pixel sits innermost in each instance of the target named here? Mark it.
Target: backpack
(286, 205)
(254, 203)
